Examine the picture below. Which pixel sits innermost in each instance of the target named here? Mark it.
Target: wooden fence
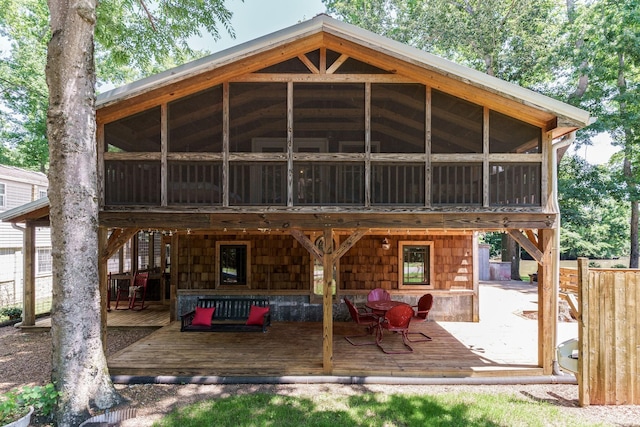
(609, 336)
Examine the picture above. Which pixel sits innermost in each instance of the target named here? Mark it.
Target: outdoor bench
(230, 315)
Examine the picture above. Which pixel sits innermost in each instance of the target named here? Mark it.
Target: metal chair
(361, 318)
(378, 294)
(421, 314)
(138, 291)
(397, 320)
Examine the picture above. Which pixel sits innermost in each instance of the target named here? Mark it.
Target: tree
(122, 27)
(593, 219)
(79, 365)
(23, 89)
(606, 63)
(503, 38)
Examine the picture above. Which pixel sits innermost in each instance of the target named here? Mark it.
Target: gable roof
(569, 118)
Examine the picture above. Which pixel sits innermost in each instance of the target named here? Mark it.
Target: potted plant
(13, 412)
(11, 312)
(17, 406)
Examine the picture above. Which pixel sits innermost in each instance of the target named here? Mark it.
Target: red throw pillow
(203, 316)
(256, 315)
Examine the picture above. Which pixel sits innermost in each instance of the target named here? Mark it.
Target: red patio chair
(397, 320)
(361, 318)
(378, 294)
(421, 314)
(138, 291)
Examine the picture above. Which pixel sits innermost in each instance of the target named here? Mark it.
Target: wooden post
(547, 317)
(173, 292)
(29, 276)
(327, 302)
(584, 398)
(103, 283)
(475, 309)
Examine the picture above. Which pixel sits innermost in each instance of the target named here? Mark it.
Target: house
(19, 187)
(322, 161)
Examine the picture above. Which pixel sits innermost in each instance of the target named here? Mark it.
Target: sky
(256, 18)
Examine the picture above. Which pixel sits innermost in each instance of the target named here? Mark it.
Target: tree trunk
(511, 253)
(79, 364)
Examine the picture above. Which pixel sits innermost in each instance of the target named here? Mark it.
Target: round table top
(383, 305)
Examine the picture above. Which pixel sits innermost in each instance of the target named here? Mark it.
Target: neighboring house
(19, 187)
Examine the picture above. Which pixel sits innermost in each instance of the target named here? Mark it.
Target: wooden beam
(307, 244)
(316, 218)
(327, 303)
(531, 235)
(118, 238)
(348, 244)
(526, 244)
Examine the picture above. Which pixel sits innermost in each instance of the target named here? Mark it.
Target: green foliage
(494, 239)
(16, 403)
(593, 220)
(370, 409)
(11, 312)
(133, 39)
(505, 38)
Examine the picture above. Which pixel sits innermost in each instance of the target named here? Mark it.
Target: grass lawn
(371, 409)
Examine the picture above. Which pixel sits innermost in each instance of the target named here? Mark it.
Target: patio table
(382, 306)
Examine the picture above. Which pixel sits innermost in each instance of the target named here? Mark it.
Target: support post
(327, 303)
(103, 283)
(547, 305)
(29, 277)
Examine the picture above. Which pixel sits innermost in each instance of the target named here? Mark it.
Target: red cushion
(256, 315)
(203, 316)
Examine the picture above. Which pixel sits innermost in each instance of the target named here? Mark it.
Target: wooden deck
(502, 344)
(295, 349)
(154, 315)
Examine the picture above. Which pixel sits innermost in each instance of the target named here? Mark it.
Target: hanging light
(385, 244)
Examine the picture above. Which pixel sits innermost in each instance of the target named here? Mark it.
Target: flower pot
(21, 422)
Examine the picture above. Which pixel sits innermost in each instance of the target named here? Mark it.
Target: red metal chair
(397, 320)
(378, 294)
(421, 314)
(121, 288)
(138, 291)
(370, 320)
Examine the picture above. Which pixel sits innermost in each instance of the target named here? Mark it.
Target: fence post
(583, 332)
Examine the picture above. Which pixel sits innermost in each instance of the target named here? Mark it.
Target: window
(3, 195)
(42, 193)
(43, 261)
(233, 267)
(416, 259)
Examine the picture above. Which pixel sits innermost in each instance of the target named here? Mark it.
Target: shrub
(11, 312)
(16, 403)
